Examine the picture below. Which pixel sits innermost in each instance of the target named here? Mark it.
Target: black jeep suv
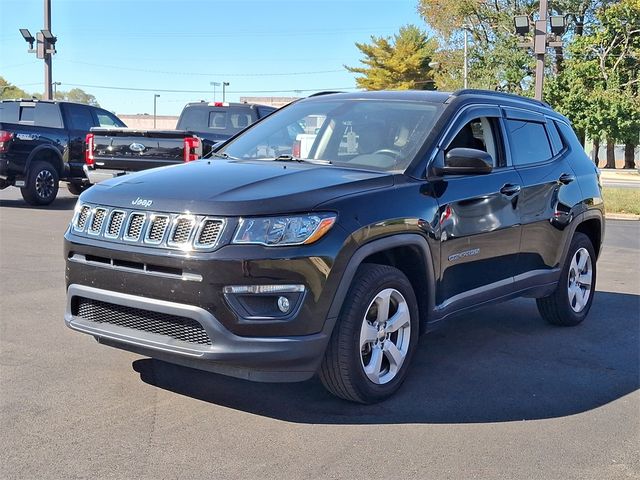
(407, 207)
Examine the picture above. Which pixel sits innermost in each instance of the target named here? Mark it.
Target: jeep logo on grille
(137, 147)
(141, 202)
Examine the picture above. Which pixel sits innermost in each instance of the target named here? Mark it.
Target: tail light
(296, 148)
(88, 152)
(192, 149)
(5, 138)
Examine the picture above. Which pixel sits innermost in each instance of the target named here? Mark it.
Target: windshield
(370, 134)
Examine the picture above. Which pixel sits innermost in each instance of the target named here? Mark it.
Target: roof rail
(327, 92)
(492, 93)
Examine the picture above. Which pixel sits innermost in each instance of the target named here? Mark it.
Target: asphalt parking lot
(492, 394)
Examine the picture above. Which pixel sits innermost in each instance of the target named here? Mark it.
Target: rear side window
(48, 115)
(528, 142)
(27, 113)
(264, 111)
(79, 117)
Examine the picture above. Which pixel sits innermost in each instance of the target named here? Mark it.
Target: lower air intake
(179, 328)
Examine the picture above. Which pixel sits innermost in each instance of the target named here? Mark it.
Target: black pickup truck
(114, 152)
(42, 142)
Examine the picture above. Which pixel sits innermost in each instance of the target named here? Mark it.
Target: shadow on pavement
(63, 203)
(498, 364)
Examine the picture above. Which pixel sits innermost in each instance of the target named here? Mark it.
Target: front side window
(370, 134)
(528, 142)
(476, 134)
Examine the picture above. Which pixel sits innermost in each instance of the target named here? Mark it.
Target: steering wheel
(387, 151)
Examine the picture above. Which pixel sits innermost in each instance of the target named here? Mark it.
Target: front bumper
(281, 359)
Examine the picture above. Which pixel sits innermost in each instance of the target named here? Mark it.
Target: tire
(569, 304)
(76, 188)
(42, 186)
(362, 343)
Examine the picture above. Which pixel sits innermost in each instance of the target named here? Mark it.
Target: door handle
(566, 178)
(510, 189)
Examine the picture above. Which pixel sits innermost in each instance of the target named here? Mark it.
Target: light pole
(45, 47)
(214, 84)
(155, 98)
(55, 84)
(465, 67)
(539, 42)
(224, 84)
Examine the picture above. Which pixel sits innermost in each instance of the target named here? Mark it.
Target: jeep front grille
(97, 220)
(209, 233)
(134, 228)
(150, 229)
(155, 232)
(176, 327)
(182, 230)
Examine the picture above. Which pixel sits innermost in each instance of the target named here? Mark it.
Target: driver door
(479, 217)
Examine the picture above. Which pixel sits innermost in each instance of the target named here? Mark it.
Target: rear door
(549, 192)
(479, 218)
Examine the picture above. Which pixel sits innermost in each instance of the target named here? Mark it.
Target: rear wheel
(76, 188)
(41, 185)
(569, 304)
(373, 342)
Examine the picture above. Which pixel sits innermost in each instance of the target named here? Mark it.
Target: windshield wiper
(291, 158)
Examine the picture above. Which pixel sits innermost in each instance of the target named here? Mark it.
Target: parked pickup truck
(42, 142)
(114, 152)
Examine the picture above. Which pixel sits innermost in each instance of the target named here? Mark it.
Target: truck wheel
(76, 188)
(569, 304)
(375, 336)
(42, 184)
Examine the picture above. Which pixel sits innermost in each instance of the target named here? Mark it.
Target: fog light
(283, 304)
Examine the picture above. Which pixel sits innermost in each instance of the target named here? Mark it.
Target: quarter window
(528, 142)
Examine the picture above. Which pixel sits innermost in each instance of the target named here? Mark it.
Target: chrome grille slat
(83, 216)
(134, 226)
(114, 225)
(147, 228)
(208, 233)
(97, 220)
(157, 228)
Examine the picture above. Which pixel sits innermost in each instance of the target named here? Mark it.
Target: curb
(622, 216)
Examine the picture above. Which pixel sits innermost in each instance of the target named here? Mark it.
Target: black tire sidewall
(29, 192)
(353, 316)
(579, 241)
(76, 188)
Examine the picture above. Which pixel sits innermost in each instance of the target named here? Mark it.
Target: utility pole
(540, 48)
(465, 67)
(224, 84)
(155, 98)
(48, 95)
(55, 84)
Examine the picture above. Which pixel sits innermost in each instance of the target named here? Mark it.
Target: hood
(234, 187)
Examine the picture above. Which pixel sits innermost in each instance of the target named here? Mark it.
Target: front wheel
(41, 185)
(569, 304)
(375, 336)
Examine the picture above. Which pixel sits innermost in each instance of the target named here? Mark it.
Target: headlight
(288, 230)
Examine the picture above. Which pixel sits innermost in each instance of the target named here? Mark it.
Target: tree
(80, 96)
(598, 88)
(8, 90)
(400, 62)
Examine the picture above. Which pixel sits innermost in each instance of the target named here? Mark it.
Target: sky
(262, 48)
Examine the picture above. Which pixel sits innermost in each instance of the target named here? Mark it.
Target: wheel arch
(410, 253)
(47, 154)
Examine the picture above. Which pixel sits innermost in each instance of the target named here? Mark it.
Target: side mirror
(463, 161)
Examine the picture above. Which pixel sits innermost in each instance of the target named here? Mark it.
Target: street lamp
(521, 22)
(558, 24)
(224, 84)
(214, 84)
(465, 68)
(26, 34)
(55, 84)
(155, 98)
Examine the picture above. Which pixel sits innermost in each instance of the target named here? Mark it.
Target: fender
(592, 213)
(375, 246)
(59, 164)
